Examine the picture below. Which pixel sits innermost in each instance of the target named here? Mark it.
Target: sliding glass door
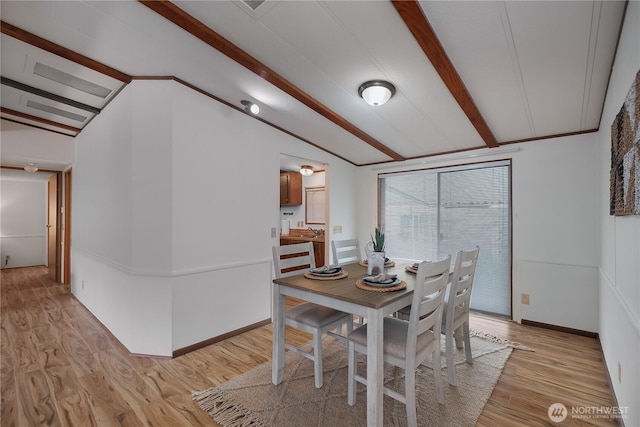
(428, 214)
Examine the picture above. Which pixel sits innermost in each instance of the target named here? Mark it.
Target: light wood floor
(61, 368)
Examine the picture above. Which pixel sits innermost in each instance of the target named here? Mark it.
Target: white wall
(555, 241)
(173, 217)
(225, 202)
(127, 291)
(619, 272)
(23, 221)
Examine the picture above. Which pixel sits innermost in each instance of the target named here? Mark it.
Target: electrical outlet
(82, 283)
(337, 229)
(525, 298)
(273, 232)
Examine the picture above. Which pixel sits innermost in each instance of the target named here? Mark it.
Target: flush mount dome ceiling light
(306, 170)
(250, 107)
(31, 168)
(376, 92)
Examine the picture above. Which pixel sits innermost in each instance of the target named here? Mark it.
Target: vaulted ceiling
(468, 74)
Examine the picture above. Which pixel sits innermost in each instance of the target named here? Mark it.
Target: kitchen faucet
(315, 232)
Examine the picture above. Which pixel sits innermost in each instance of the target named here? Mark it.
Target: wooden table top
(346, 289)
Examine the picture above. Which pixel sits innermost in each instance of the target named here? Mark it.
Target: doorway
(311, 210)
(33, 219)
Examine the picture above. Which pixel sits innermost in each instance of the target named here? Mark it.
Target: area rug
(252, 400)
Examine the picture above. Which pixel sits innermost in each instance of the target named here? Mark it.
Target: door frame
(67, 226)
(55, 267)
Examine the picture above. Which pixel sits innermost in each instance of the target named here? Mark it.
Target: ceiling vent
(253, 4)
(68, 80)
(57, 111)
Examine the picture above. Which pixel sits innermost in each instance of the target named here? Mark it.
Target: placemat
(360, 284)
(386, 264)
(411, 269)
(342, 275)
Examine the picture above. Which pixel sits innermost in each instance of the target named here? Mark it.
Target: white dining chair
(315, 319)
(406, 344)
(345, 251)
(455, 322)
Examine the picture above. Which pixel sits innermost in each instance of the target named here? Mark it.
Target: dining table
(344, 295)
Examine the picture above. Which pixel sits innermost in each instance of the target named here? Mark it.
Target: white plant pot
(375, 262)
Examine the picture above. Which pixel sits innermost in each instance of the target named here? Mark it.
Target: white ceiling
(17, 175)
(533, 68)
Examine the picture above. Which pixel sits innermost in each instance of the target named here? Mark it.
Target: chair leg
(317, 358)
(437, 376)
(451, 366)
(467, 342)
(458, 335)
(410, 395)
(351, 374)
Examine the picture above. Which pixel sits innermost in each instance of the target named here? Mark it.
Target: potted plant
(378, 240)
(375, 252)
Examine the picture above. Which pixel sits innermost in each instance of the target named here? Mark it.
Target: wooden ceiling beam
(199, 30)
(415, 19)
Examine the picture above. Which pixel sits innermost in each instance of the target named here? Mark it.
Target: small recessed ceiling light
(376, 92)
(306, 170)
(250, 107)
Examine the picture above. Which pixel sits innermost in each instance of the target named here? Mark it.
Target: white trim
(635, 321)
(564, 264)
(471, 154)
(210, 268)
(19, 236)
(170, 273)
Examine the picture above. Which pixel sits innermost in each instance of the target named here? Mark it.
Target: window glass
(431, 213)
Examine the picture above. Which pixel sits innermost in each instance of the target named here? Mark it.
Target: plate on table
(413, 268)
(382, 280)
(327, 271)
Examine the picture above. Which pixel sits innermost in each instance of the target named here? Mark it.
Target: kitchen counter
(301, 237)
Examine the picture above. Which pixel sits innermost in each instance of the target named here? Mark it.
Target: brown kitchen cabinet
(290, 189)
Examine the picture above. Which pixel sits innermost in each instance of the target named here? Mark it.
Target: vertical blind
(431, 213)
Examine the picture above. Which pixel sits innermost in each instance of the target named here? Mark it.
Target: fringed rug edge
(223, 410)
(499, 340)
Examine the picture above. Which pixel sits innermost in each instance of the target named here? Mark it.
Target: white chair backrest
(428, 297)
(345, 251)
(289, 260)
(462, 282)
